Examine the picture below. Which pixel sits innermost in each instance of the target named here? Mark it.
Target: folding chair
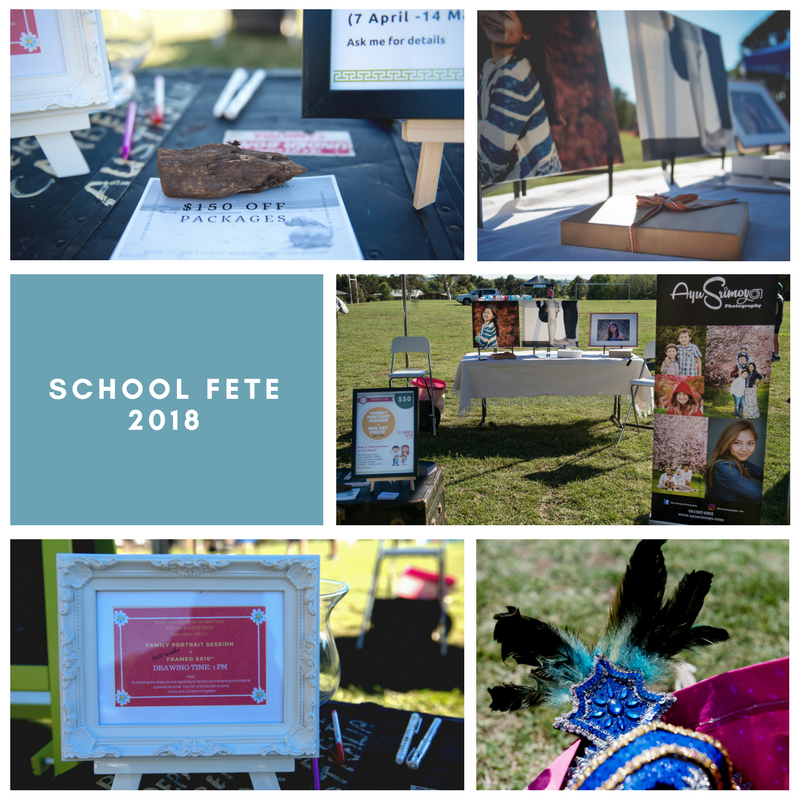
(438, 552)
(636, 384)
(414, 344)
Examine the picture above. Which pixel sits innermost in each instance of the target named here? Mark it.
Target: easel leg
(430, 163)
(63, 154)
(265, 780)
(129, 781)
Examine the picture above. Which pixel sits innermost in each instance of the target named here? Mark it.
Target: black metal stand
(521, 187)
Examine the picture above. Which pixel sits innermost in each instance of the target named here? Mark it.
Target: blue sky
(732, 26)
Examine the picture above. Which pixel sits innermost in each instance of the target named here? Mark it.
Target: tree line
(379, 287)
(607, 286)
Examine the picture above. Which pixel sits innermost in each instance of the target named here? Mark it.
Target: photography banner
(714, 337)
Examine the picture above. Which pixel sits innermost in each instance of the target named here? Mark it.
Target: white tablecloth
(529, 228)
(526, 376)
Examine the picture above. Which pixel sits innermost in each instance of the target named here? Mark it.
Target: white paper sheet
(302, 219)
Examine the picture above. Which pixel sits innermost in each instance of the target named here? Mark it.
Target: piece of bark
(218, 170)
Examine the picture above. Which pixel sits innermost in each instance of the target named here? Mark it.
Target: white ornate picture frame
(130, 703)
(58, 78)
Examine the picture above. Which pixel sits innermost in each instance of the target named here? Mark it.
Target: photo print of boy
(686, 346)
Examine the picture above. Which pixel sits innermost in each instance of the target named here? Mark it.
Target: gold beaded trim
(648, 756)
(626, 739)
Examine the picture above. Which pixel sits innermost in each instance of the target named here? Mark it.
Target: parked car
(466, 299)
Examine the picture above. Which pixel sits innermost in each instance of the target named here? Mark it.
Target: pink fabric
(553, 777)
(746, 709)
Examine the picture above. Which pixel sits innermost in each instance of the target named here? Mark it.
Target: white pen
(231, 87)
(418, 753)
(245, 93)
(414, 724)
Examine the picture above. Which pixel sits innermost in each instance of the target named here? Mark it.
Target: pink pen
(158, 114)
(130, 125)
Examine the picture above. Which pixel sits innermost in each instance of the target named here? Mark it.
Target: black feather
(701, 635)
(510, 697)
(641, 590)
(528, 640)
(671, 629)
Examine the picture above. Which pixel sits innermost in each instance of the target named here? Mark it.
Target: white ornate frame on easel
(53, 101)
(223, 744)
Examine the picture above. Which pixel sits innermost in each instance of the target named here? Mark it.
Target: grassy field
(571, 583)
(354, 566)
(552, 461)
(631, 153)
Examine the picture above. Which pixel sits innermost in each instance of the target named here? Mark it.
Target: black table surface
(84, 217)
(371, 736)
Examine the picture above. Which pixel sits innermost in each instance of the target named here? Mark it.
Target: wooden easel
(128, 771)
(373, 481)
(432, 134)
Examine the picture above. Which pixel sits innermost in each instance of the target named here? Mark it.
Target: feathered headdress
(607, 686)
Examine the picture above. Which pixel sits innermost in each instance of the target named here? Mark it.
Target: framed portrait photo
(682, 102)
(395, 64)
(385, 426)
(189, 657)
(758, 119)
(545, 105)
(552, 323)
(614, 330)
(495, 323)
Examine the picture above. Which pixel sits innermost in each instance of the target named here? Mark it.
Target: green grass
(354, 566)
(248, 50)
(551, 461)
(631, 153)
(571, 583)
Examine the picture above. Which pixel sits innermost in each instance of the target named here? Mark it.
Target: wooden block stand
(432, 133)
(422, 506)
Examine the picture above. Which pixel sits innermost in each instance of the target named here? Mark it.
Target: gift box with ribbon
(681, 225)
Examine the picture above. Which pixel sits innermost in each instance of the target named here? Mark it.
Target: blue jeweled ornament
(610, 702)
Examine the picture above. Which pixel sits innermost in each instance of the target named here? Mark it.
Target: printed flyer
(384, 433)
(304, 218)
(190, 656)
(714, 337)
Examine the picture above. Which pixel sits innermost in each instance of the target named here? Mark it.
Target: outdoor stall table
(371, 736)
(529, 228)
(480, 377)
(84, 217)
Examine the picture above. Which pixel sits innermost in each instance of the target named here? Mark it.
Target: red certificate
(210, 656)
(24, 35)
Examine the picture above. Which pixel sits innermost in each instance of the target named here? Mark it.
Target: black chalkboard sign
(400, 64)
